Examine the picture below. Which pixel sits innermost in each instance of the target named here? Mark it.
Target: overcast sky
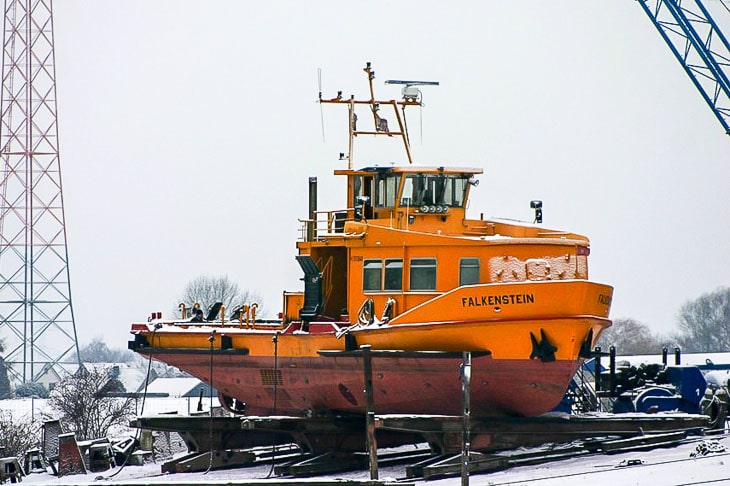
(188, 131)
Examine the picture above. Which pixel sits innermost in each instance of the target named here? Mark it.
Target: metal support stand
(612, 370)
(466, 423)
(367, 369)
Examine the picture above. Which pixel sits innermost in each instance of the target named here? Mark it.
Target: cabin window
(468, 271)
(371, 275)
(423, 274)
(434, 189)
(387, 190)
(394, 274)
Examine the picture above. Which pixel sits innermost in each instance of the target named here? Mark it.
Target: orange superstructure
(400, 267)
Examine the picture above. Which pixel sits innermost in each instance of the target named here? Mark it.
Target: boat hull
(524, 355)
(408, 384)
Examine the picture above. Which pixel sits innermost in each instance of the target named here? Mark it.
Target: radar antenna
(411, 93)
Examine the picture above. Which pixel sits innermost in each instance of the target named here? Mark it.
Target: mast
(411, 97)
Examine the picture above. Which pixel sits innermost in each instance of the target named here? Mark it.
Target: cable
(141, 410)
(211, 339)
(275, 340)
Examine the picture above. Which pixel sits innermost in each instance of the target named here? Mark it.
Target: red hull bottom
(402, 385)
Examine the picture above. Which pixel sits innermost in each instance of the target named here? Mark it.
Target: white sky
(188, 131)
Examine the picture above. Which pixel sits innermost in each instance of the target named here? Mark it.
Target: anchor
(542, 349)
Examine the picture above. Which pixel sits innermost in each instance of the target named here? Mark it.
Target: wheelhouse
(397, 195)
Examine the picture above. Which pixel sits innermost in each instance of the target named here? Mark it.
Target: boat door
(363, 194)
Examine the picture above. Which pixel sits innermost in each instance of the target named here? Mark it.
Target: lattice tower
(36, 316)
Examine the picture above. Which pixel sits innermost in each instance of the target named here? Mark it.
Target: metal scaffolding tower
(698, 43)
(36, 316)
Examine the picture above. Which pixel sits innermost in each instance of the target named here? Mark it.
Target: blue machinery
(699, 45)
(650, 388)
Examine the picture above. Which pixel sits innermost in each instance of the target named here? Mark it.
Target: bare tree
(207, 290)
(84, 404)
(98, 352)
(31, 389)
(18, 434)
(704, 323)
(630, 337)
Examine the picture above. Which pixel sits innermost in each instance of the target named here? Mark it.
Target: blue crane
(699, 45)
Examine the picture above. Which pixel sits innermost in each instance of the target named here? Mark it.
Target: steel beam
(699, 45)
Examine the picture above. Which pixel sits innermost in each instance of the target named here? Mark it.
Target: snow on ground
(24, 408)
(669, 466)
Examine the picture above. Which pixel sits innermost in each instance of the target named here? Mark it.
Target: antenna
(321, 113)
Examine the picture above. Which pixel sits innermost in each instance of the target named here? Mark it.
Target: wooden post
(367, 370)
(466, 423)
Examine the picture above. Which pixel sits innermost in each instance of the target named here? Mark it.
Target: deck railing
(326, 223)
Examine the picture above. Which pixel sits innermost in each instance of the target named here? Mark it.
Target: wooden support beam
(466, 418)
(367, 369)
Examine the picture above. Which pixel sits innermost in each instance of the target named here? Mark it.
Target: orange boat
(403, 270)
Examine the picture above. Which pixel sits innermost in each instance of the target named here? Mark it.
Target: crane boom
(699, 45)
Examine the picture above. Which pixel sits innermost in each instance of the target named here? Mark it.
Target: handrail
(324, 222)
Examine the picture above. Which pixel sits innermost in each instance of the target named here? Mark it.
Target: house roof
(178, 387)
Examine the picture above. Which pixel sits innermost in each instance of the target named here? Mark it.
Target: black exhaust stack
(312, 225)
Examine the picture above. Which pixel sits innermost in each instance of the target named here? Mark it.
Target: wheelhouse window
(372, 275)
(468, 271)
(423, 274)
(455, 190)
(434, 189)
(393, 274)
(387, 190)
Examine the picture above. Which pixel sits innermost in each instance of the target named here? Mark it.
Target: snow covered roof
(686, 358)
(178, 387)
